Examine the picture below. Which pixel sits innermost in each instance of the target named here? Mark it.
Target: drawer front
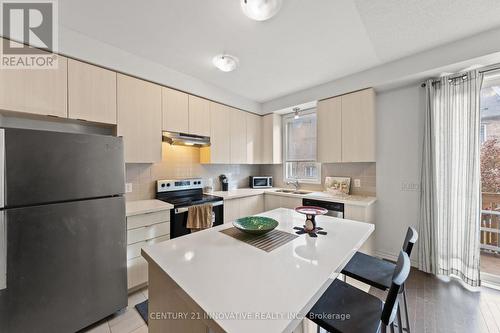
(138, 221)
(137, 272)
(134, 250)
(149, 232)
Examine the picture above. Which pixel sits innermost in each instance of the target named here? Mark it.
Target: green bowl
(256, 225)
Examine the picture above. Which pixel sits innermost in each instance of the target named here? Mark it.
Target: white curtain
(450, 205)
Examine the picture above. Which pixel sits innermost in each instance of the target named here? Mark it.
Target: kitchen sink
(292, 191)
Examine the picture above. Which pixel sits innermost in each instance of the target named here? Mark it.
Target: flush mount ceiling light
(260, 10)
(225, 62)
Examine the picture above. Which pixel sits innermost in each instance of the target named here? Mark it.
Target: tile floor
(126, 321)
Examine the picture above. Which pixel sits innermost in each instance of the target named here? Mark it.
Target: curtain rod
(484, 70)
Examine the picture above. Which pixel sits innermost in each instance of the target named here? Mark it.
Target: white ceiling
(306, 44)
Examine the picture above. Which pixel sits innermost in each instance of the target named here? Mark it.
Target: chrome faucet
(295, 183)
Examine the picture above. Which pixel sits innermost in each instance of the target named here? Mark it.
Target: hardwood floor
(435, 307)
(438, 306)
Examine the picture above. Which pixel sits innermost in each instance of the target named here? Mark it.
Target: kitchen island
(209, 279)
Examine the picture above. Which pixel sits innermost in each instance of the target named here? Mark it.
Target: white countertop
(145, 206)
(354, 200)
(241, 192)
(224, 275)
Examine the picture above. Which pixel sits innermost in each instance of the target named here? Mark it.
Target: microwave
(261, 182)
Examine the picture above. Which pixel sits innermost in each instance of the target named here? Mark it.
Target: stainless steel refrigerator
(62, 230)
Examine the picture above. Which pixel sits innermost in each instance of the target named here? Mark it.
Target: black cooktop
(188, 199)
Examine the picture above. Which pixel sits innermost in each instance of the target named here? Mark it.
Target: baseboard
(490, 279)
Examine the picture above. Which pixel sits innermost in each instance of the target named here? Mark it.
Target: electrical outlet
(357, 182)
(128, 187)
(410, 187)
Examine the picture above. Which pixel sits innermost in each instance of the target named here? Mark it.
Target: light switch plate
(128, 187)
(357, 182)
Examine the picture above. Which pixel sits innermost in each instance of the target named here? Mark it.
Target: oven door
(178, 219)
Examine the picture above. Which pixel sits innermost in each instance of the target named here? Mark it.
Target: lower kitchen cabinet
(363, 214)
(241, 207)
(273, 201)
(144, 230)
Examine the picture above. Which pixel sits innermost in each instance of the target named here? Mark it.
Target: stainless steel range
(184, 193)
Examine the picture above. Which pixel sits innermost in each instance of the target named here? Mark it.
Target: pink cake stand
(310, 226)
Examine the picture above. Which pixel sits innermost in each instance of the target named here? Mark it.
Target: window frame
(284, 120)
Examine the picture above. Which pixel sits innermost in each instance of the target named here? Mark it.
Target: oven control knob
(168, 184)
(162, 185)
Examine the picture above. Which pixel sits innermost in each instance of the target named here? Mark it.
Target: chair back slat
(410, 240)
(399, 277)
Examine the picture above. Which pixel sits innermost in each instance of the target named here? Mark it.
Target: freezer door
(66, 265)
(46, 167)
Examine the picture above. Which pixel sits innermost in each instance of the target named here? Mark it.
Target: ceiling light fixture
(225, 62)
(296, 111)
(260, 10)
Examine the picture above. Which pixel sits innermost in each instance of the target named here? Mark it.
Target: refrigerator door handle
(2, 168)
(3, 251)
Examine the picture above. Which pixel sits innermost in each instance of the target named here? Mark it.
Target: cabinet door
(271, 202)
(289, 202)
(91, 93)
(358, 126)
(35, 91)
(175, 112)
(329, 114)
(271, 139)
(238, 136)
(231, 210)
(254, 139)
(219, 149)
(199, 116)
(252, 205)
(139, 119)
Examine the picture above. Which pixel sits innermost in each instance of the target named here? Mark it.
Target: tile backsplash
(365, 172)
(182, 162)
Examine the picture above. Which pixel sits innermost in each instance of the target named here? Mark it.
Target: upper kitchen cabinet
(220, 148)
(35, 91)
(254, 139)
(358, 126)
(329, 113)
(346, 128)
(91, 93)
(175, 110)
(199, 116)
(238, 136)
(139, 119)
(271, 139)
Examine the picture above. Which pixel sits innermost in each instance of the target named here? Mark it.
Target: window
(300, 148)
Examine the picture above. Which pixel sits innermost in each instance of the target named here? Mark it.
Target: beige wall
(363, 171)
(181, 162)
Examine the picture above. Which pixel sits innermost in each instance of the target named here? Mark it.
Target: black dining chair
(377, 272)
(346, 309)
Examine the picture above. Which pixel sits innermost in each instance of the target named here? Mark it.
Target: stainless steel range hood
(184, 139)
